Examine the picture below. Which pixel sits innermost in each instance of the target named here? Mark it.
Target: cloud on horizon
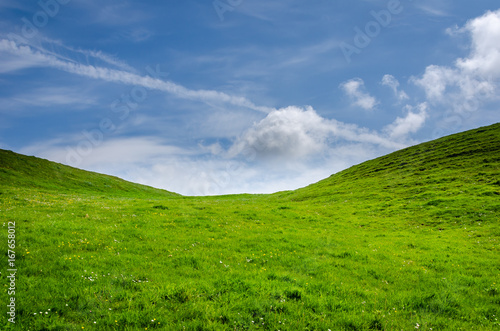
(273, 154)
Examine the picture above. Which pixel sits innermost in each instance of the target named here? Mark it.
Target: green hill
(450, 178)
(17, 170)
(407, 241)
(464, 159)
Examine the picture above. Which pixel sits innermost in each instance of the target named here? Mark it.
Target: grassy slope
(22, 171)
(444, 179)
(412, 237)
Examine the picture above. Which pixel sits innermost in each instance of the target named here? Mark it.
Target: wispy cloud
(52, 96)
(434, 9)
(39, 58)
(125, 150)
(115, 13)
(106, 58)
(393, 83)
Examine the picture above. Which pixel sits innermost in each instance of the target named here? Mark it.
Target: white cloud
(294, 133)
(435, 81)
(354, 88)
(285, 133)
(219, 176)
(484, 59)
(413, 121)
(138, 35)
(393, 83)
(472, 80)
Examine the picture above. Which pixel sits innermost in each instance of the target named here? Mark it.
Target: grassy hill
(462, 159)
(403, 242)
(448, 179)
(17, 170)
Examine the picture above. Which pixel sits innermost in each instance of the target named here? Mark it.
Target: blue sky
(232, 96)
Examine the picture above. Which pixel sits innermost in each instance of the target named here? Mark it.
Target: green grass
(407, 240)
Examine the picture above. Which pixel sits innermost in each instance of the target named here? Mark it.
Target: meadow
(408, 241)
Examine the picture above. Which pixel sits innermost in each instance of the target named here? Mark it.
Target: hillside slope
(447, 177)
(21, 171)
(469, 156)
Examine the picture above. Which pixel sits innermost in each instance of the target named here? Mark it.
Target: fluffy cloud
(286, 133)
(484, 59)
(471, 81)
(294, 133)
(354, 88)
(456, 87)
(411, 123)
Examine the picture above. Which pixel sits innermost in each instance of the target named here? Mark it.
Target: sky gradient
(238, 96)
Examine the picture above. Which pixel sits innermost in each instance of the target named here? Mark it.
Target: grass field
(408, 241)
